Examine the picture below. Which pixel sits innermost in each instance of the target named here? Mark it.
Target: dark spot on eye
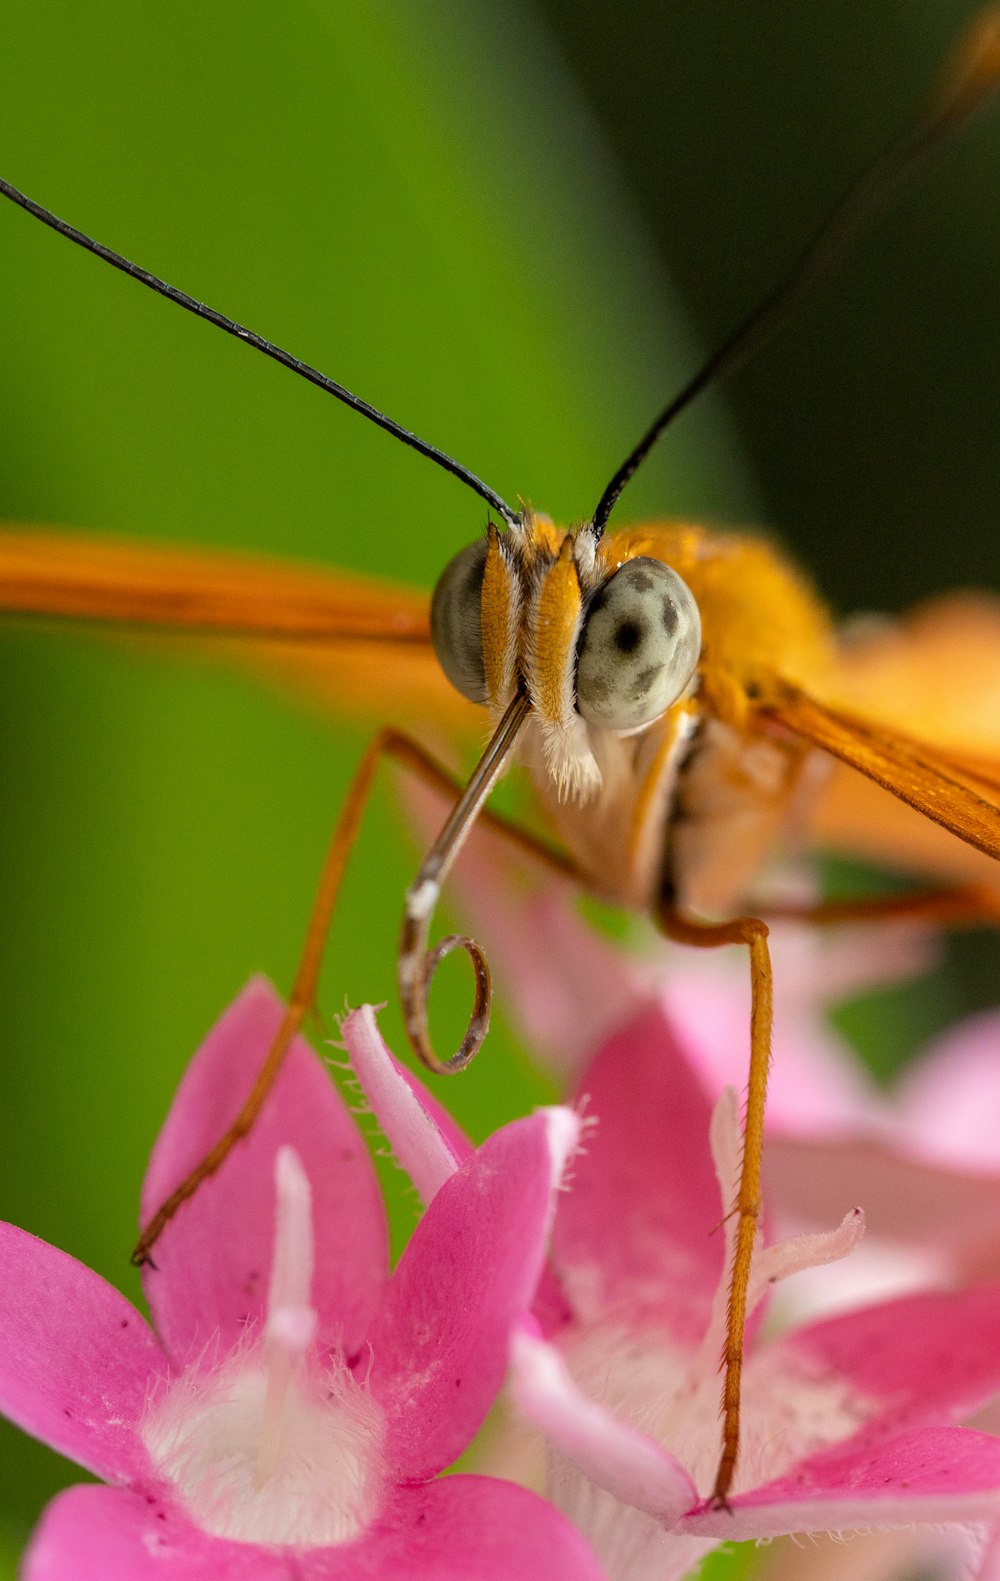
(629, 635)
(643, 681)
(669, 617)
(641, 581)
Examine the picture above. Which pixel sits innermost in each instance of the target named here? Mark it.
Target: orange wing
(916, 712)
(359, 646)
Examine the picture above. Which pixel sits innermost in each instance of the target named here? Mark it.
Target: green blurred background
(510, 226)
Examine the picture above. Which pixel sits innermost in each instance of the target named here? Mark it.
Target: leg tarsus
(953, 906)
(240, 1127)
(751, 932)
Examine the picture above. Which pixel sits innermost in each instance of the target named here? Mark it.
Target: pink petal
(926, 1357)
(425, 1139)
(636, 1228)
(457, 1529)
(110, 1534)
(611, 1454)
(951, 1098)
(470, 1529)
(926, 1474)
(470, 1271)
(213, 1260)
(76, 1359)
(903, 1198)
(423, 1136)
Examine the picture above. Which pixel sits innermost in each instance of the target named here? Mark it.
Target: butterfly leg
(961, 905)
(947, 907)
(751, 932)
(408, 754)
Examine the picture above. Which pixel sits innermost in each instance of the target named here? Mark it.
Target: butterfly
(667, 685)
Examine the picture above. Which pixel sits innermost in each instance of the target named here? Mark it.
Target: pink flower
(847, 1422)
(291, 1413)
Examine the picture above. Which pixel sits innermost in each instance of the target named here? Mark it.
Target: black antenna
(285, 358)
(970, 76)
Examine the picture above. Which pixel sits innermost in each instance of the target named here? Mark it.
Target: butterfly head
(597, 641)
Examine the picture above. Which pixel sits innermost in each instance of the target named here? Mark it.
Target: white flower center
(270, 1446)
(787, 1412)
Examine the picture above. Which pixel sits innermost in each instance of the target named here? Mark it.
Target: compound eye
(456, 621)
(639, 646)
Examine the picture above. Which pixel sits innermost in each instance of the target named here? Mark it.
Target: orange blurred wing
(934, 674)
(916, 712)
(359, 646)
(918, 778)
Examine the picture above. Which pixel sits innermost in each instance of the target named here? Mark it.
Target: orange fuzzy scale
(555, 625)
(501, 599)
